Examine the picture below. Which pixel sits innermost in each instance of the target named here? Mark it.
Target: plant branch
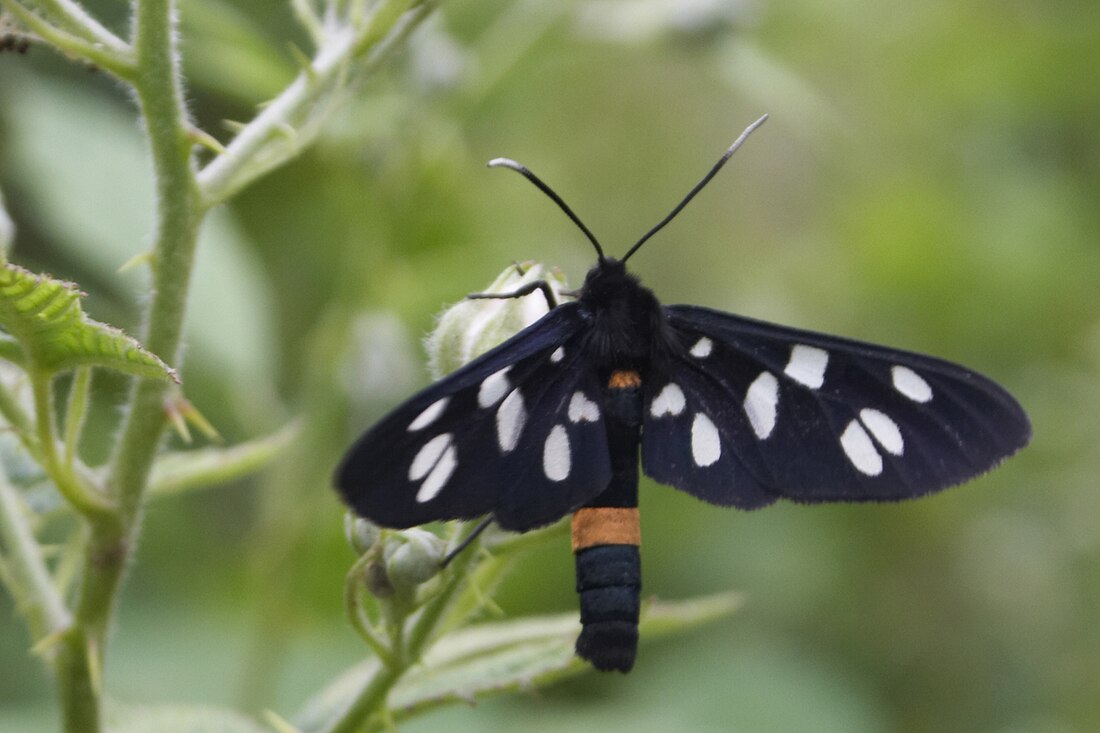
(113, 56)
(309, 20)
(72, 17)
(263, 144)
(31, 585)
(159, 94)
(74, 413)
(408, 645)
(20, 422)
(353, 607)
(84, 499)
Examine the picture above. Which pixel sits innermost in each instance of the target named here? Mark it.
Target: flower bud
(415, 557)
(469, 328)
(361, 534)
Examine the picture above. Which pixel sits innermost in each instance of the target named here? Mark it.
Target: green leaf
(44, 316)
(180, 719)
(179, 471)
(492, 658)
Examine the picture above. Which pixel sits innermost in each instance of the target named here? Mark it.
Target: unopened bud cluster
(471, 327)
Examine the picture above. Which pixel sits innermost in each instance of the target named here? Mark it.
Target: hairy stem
(159, 94)
(74, 413)
(73, 18)
(78, 494)
(110, 55)
(20, 421)
(407, 646)
(32, 587)
(268, 141)
(353, 608)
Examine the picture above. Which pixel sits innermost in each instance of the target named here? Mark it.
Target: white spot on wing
(669, 401)
(860, 450)
(511, 417)
(807, 365)
(884, 429)
(494, 387)
(429, 415)
(558, 355)
(706, 445)
(910, 384)
(555, 454)
(760, 403)
(428, 455)
(437, 479)
(702, 348)
(582, 409)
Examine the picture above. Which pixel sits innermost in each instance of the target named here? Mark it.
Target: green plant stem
(79, 495)
(242, 161)
(21, 422)
(112, 56)
(74, 413)
(370, 702)
(263, 144)
(309, 20)
(42, 606)
(158, 89)
(32, 587)
(353, 607)
(365, 711)
(72, 17)
(150, 65)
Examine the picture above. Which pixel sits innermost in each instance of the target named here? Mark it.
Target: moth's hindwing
(518, 433)
(750, 411)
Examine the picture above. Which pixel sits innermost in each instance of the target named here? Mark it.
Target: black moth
(733, 411)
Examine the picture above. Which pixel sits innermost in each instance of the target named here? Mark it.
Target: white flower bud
(415, 557)
(468, 329)
(360, 533)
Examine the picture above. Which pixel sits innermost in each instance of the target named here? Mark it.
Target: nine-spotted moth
(734, 411)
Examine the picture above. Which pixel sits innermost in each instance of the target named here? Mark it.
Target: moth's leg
(527, 289)
(467, 540)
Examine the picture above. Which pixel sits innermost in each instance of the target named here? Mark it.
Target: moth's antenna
(523, 171)
(698, 186)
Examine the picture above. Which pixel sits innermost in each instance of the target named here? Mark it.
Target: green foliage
(927, 180)
(45, 317)
(176, 472)
(398, 598)
(500, 657)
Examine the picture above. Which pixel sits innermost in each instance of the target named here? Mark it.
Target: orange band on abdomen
(605, 525)
(624, 378)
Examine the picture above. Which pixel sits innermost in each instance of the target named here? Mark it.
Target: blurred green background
(929, 179)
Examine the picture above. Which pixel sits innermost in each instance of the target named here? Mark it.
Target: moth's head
(607, 279)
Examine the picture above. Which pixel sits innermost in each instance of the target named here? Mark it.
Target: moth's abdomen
(606, 536)
(609, 582)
